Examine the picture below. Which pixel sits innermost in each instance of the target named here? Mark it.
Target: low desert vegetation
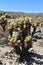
(21, 32)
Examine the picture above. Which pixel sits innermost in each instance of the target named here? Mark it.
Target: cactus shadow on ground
(31, 58)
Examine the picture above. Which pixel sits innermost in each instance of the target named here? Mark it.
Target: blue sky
(28, 6)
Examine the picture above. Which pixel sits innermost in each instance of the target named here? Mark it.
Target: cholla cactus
(2, 18)
(21, 29)
(20, 36)
(3, 22)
